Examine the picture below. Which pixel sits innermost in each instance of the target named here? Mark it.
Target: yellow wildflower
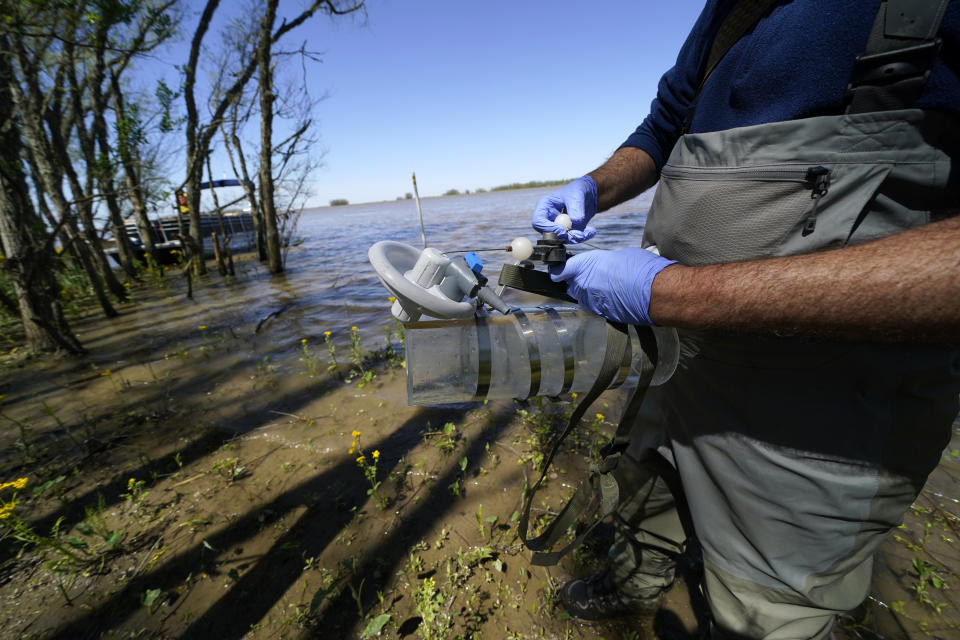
(7, 509)
(574, 395)
(353, 444)
(392, 299)
(355, 433)
(303, 341)
(202, 327)
(326, 333)
(350, 451)
(375, 454)
(360, 460)
(16, 484)
(354, 328)
(600, 416)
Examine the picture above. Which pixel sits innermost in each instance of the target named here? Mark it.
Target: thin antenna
(423, 235)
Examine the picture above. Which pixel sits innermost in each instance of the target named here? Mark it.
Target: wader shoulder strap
(600, 479)
(903, 46)
(890, 73)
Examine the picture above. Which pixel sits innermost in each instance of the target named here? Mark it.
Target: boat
(237, 229)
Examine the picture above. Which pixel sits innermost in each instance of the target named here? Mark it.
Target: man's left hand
(613, 284)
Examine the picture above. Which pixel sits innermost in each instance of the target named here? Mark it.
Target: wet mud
(216, 481)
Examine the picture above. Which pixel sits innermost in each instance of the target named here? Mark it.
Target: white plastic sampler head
(414, 276)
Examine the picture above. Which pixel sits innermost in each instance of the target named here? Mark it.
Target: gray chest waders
(781, 189)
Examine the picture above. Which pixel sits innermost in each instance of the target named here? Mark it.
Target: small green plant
(267, 371)
(365, 379)
(117, 382)
(95, 526)
(23, 532)
(428, 602)
(356, 351)
(149, 597)
(448, 442)
(369, 467)
(135, 492)
(331, 350)
(483, 522)
(455, 487)
(23, 444)
(357, 595)
(229, 468)
(308, 359)
(375, 626)
(927, 576)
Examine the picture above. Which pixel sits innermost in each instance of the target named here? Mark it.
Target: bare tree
(199, 137)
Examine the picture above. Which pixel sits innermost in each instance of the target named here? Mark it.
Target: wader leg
(778, 593)
(796, 474)
(649, 534)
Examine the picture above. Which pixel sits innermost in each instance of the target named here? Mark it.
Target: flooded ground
(199, 475)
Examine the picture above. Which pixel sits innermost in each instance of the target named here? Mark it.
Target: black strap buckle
(888, 67)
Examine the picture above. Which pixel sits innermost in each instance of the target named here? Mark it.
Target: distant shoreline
(532, 184)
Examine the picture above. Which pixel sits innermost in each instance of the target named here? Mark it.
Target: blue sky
(478, 94)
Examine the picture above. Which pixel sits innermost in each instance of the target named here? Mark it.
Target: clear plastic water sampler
(528, 352)
(469, 353)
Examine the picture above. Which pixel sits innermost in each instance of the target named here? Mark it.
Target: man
(811, 261)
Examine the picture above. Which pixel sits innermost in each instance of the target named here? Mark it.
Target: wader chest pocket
(706, 215)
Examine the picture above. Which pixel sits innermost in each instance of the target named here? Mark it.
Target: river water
(336, 287)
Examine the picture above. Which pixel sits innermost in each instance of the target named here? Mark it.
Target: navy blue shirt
(796, 63)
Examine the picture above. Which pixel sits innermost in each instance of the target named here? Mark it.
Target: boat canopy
(225, 182)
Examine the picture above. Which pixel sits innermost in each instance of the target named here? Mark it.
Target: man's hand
(578, 199)
(613, 284)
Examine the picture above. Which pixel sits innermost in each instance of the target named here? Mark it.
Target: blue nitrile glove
(578, 199)
(613, 284)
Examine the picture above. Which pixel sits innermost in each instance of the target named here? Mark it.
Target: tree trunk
(72, 241)
(232, 143)
(265, 83)
(196, 147)
(131, 177)
(103, 162)
(48, 177)
(27, 260)
(85, 212)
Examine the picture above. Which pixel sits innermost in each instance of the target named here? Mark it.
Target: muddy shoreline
(206, 476)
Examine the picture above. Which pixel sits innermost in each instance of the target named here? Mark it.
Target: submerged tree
(229, 88)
